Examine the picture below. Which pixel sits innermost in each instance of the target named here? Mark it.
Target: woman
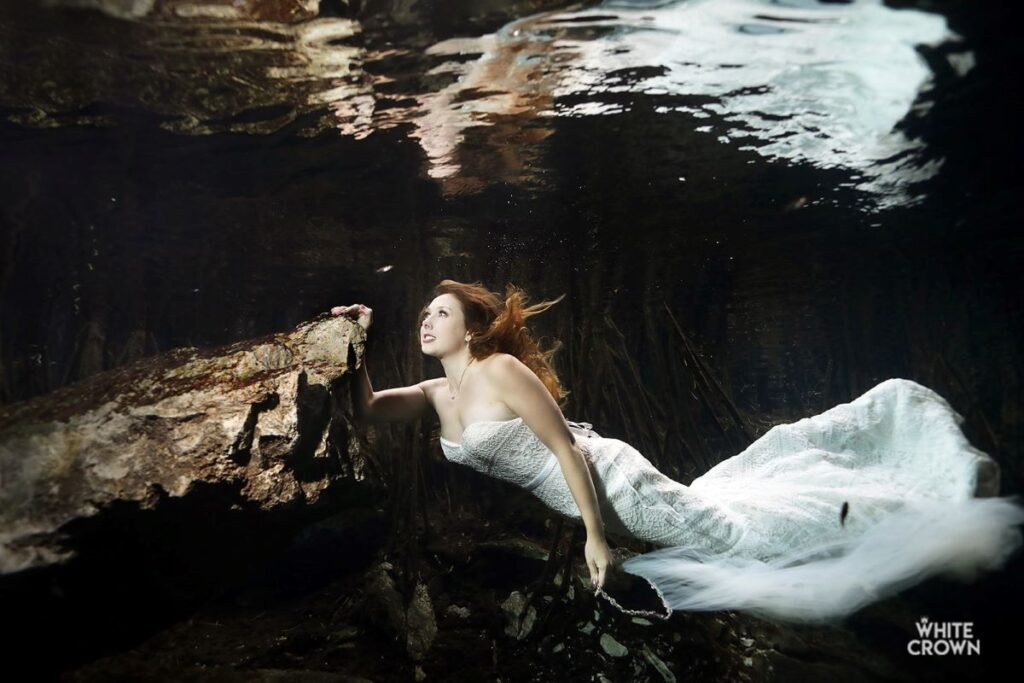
(470, 331)
(813, 521)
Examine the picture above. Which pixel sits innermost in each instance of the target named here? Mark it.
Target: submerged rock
(657, 664)
(520, 622)
(458, 611)
(382, 606)
(421, 626)
(613, 647)
(258, 415)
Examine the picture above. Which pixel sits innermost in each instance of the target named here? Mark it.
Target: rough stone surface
(519, 625)
(383, 605)
(656, 662)
(421, 626)
(459, 611)
(257, 414)
(613, 647)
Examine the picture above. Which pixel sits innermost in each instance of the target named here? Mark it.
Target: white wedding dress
(813, 521)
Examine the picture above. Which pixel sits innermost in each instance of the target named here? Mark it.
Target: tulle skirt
(820, 517)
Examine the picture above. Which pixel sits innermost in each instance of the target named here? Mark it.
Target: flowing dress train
(811, 522)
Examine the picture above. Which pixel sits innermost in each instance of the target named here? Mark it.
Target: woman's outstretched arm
(526, 395)
(389, 405)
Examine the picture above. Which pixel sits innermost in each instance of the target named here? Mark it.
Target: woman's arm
(526, 395)
(388, 405)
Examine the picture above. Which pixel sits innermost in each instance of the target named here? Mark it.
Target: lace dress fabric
(812, 521)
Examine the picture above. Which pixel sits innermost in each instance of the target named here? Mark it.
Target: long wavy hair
(499, 326)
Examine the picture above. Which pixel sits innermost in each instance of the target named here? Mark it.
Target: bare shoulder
(500, 362)
(501, 367)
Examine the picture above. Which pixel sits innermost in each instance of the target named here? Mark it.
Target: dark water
(821, 193)
(818, 196)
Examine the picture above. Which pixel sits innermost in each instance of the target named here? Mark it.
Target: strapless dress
(811, 522)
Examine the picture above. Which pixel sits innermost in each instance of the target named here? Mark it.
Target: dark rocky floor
(462, 622)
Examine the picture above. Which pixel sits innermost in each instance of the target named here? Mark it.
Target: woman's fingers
(354, 309)
(598, 557)
(594, 573)
(364, 316)
(603, 558)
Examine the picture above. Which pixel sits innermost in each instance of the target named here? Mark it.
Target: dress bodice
(508, 450)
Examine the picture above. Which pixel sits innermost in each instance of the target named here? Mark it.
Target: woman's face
(442, 327)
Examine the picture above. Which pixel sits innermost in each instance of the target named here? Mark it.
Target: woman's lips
(427, 339)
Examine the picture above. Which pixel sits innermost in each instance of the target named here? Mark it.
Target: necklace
(460, 380)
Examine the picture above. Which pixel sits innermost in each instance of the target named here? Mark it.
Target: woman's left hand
(599, 559)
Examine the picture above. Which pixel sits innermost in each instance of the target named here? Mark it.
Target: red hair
(500, 327)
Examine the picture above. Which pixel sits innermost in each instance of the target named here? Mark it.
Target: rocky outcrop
(258, 415)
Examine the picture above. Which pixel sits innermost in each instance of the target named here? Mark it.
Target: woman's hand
(599, 559)
(358, 312)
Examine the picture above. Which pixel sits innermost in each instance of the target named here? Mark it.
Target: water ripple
(824, 84)
(795, 81)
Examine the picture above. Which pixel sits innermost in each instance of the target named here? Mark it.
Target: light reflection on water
(198, 74)
(797, 81)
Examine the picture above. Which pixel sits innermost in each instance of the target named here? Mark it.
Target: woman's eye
(443, 313)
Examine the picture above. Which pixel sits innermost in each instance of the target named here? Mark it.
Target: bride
(811, 522)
